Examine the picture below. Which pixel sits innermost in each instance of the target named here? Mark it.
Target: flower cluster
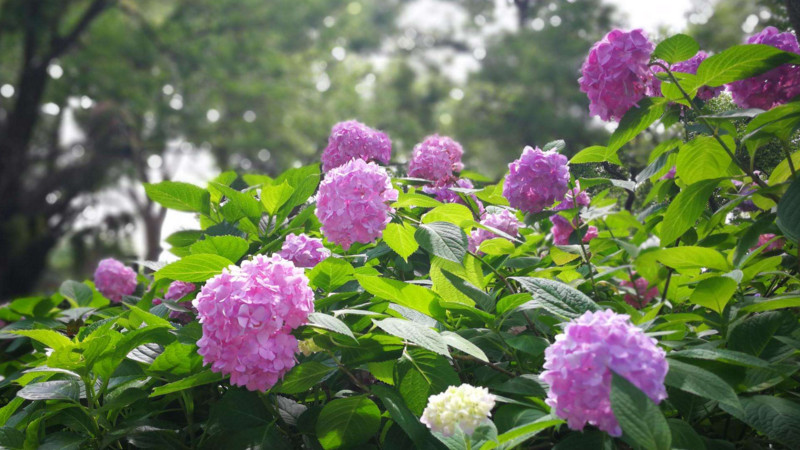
(505, 221)
(175, 292)
(562, 230)
(352, 203)
(775, 87)
(303, 251)
(114, 280)
(436, 159)
(575, 198)
(352, 139)
(247, 313)
(536, 180)
(615, 75)
(579, 368)
(644, 293)
(466, 407)
(764, 238)
(689, 66)
(444, 194)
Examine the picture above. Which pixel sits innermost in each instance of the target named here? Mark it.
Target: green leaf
(302, 377)
(697, 381)
(703, 158)
(179, 196)
(331, 273)
(414, 333)
(50, 338)
(772, 304)
(11, 438)
(789, 211)
(677, 48)
(52, 390)
(640, 419)
(178, 359)
(242, 201)
(304, 180)
(406, 200)
(511, 302)
(80, 293)
(721, 355)
(483, 299)
(782, 171)
(496, 246)
(691, 257)
(184, 238)
(229, 247)
(636, 120)
(274, 196)
(754, 333)
(714, 293)
(518, 435)
(556, 297)
(198, 379)
(420, 374)
(194, 268)
(400, 238)
(740, 62)
(685, 209)
(347, 422)
(9, 409)
(326, 322)
(404, 294)
(454, 213)
(778, 418)
(401, 415)
(593, 154)
(460, 343)
(443, 239)
(684, 436)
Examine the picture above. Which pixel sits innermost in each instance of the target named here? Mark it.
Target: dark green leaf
(330, 323)
(778, 418)
(420, 374)
(789, 211)
(302, 377)
(636, 120)
(80, 293)
(484, 300)
(557, 298)
(640, 419)
(52, 390)
(348, 422)
(443, 239)
(414, 333)
(198, 379)
(697, 381)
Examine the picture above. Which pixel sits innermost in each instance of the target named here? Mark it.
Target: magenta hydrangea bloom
(352, 139)
(536, 180)
(670, 175)
(574, 198)
(114, 279)
(764, 238)
(247, 313)
(179, 289)
(435, 159)
(353, 203)
(775, 87)
(443, 193)
(644, 293)
(615, 73)
(505, 221)
(303, 251)
(689, 66)
(579, 365)
(562, 230)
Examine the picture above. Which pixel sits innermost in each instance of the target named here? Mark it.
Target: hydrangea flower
(689, 66)
(114, 280)
(579, 365)
(670, 175)
(303, 251)
(435, 159)
(562, 230)
(574, 197)
(179, 289)
(644, 293)
(353, 203)
(352, 139)
(775, 87)
(247, 313)
(536, 180)
(505, 221)
(764, 238)
(443, 193)
(466, 407)
(615, 73)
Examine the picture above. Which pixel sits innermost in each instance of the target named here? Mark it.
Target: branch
(61, 44)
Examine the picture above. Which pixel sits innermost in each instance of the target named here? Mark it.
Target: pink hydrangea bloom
(179, 289)
(579, 365)
(562, 230)
(435, 159)
(615, 73)
(764, 238)
(574, 197)
(352, 139)
(505, 221)
(443, 193)
(303, 251)
(644, 293)
(247, 313)
(669, 175)
(775, 87)
(689, 66)
(536, 180)
(352, 203)
(114, 280)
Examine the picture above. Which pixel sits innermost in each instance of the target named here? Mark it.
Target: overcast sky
(650, 14)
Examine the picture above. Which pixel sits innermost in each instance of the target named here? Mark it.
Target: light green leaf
(484, 300)
(593, 154)
(243, 201)
(404, 294)
(414, 200)
(740, 62)
(496, 246)
(703, 158)
(454, 213)
(229, 247)
(691, 257)
(400, 238)
(178, 360)
(518, 435)
(782, 171)
(685, 209)
(714, 293)
(677, 48)
(50, 338)
(347, 422)
(194, 268)
(636, 120)
(414, 333)
(331, 273)
(179, 196)
(274, 196)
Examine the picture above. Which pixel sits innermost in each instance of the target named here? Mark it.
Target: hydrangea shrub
(362, 304)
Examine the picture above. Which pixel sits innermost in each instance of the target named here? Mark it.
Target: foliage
(404, 318)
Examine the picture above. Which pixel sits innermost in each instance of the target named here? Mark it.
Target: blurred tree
(718, 25)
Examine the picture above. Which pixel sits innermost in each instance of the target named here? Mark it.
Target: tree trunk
(793, 8)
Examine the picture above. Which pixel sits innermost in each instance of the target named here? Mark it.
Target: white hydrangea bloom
(464, 406)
